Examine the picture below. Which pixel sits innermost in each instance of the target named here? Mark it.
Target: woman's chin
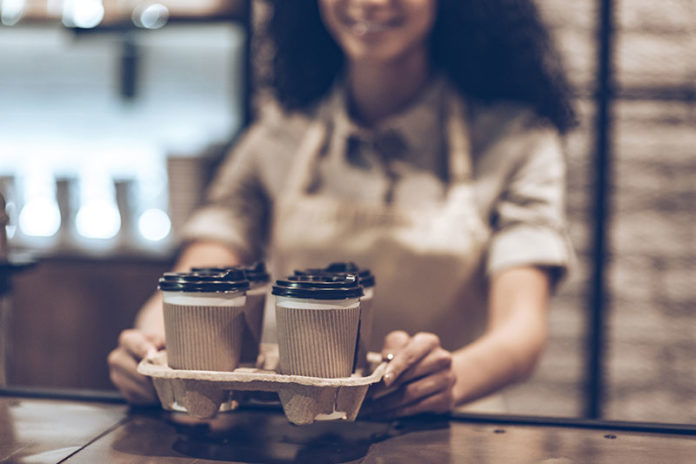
(375, 54)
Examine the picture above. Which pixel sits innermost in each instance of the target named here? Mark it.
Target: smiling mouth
(361, 28)
(364, 27)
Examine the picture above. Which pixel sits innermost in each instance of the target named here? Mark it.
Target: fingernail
(388, 378)
(151, 352)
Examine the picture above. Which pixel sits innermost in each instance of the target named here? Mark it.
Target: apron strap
(300, 175)
(459, 146)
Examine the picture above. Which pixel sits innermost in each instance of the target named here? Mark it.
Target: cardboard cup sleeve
(253, 317)
(365, 330)
(317, 338)
(205, 335)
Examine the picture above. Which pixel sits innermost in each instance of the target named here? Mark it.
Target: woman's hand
(134, 345)
(418, 379)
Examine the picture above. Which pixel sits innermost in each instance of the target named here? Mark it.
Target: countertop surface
(44, 430)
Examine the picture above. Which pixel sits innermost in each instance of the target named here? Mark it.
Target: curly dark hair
(492, 50)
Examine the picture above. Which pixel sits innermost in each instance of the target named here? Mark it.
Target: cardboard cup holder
(203, 394)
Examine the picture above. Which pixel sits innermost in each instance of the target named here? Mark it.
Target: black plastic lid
(211, 270)
(309, 272)
(367, 279)
(323, 277)
(204, 281)
(345, 266)
(257, 273)
(337, 289)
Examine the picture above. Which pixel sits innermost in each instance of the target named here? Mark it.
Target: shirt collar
(415, 124)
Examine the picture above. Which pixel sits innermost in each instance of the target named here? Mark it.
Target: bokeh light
(153, 16)
(11, 11)
(40, 217)
(98, 219)
(154, 224)
(84, 14)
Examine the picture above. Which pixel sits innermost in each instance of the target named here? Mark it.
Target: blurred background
(115, 112)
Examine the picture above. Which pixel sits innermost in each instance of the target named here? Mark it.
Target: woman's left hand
(419, 378)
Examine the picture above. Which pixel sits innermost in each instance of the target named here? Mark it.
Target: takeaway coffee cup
(259, 280)
(367, 281)
(317, 325)
(204, 319)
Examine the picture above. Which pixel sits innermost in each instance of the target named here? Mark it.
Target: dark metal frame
(602, 180)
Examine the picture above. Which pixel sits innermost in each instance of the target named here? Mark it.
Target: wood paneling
(66, 316)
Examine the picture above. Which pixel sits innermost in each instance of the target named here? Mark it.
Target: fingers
(437, 360)
(156, 339)
(123, 364)
(136, 388)
(395, 341)
(417, 348)
(134, 392)
(137, 344)
(413, 395)
(440, 403)
(419, 377)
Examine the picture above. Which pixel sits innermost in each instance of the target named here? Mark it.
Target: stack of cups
(367, 281)
(204, 319)
(259, 280)
(317, 324)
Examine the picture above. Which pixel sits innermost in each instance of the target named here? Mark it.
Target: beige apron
(427, 261)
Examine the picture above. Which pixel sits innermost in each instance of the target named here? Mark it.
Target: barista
(420, 139)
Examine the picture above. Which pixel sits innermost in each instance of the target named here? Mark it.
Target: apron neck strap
(458, 142)
(300, 175)
(314, 141)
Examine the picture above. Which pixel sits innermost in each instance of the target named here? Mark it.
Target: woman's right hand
(134, 345)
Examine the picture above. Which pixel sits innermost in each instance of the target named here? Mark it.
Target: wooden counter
(34, 430)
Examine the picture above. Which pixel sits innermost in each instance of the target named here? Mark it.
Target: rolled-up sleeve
(529, 222)
(236, 209)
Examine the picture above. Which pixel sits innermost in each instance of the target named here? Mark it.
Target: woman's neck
(378, 90)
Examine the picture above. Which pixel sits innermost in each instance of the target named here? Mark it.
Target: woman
(419, 138)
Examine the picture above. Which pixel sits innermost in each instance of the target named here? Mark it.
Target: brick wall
(651, 374)
(652, 322)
